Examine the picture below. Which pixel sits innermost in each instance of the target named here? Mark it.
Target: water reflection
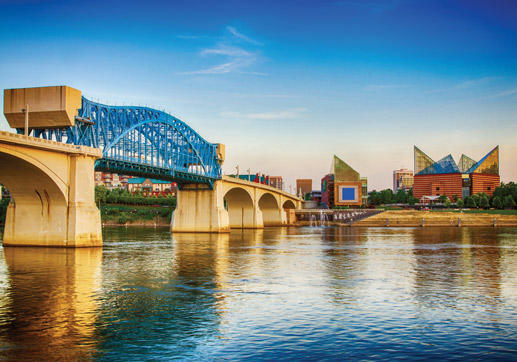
(276, 293)
(50, 307)
(453, 264)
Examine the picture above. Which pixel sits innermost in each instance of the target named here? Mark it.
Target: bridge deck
(43, 144)
(262, 186)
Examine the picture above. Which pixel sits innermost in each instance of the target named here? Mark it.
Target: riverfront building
(276, 181)
(111, 180)
(273, 181)
(343, 186)
(303, 186)
(402, 180)
(151, 186)
(462, 179)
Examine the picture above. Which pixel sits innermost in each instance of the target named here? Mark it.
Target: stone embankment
(412, 218)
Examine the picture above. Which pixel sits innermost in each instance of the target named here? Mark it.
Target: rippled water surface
(278, 293)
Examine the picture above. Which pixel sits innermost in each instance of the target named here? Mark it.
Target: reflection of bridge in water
(49, 172)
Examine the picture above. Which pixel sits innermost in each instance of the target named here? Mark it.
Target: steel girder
(140, 141)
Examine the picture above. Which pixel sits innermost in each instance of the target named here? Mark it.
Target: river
(277, 293)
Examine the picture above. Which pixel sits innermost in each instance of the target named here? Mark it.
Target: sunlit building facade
(303, 186)
(455, 180)
(343, 186)
(402, 180)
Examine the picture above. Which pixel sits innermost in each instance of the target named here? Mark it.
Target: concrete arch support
(200, 209)
(52, 189)
(232, 203)
(242, 209)
(271, 212)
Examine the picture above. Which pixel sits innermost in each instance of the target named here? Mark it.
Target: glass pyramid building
(488, 165)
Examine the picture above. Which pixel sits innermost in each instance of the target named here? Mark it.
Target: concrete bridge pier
(200, 209)
(232, 204)
(52, 189)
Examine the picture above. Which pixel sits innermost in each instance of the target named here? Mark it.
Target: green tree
(307, 196)
(412, 200)
(476, 199)
(401, 197)
(374, 198)
(100, 194)
(455, 198)
(459, 203)
(497, 202)
(387, 196)
(484, 203)
(443, 198)
(448, 204)
(509, 202)
(470, 202)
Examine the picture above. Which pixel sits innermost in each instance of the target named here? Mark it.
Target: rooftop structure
(446, 177)
(343, 186)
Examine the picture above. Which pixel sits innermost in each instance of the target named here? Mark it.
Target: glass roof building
(343, 186)
(446, 177)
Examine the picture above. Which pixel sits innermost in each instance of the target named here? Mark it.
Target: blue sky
(285, 85)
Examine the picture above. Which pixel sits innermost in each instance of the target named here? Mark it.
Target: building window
(488, 188)
(437, 189)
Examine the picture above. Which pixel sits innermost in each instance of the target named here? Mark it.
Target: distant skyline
(286, 85)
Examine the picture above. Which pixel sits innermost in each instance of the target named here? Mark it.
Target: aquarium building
(455, 180)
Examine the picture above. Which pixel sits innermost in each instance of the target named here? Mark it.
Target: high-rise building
(462, 179)
(402, 179)
(343, 186)
(303, 186)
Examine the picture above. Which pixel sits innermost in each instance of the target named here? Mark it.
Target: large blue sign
(348, 194)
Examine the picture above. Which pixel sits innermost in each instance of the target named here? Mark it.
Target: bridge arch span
(288, 204)
(240, 207)
(271, 213)
(26, 172)
(51, 185)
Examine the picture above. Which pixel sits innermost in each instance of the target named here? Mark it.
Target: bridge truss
(140, 141)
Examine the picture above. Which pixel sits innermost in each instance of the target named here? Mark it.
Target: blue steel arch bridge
(140, 141)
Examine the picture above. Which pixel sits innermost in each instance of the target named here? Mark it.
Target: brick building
(343, 186)
(462, 179)
(303, 186)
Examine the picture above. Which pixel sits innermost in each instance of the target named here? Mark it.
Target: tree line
(387, 196)
(103, 195)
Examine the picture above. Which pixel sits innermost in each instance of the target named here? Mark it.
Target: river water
(278, 293)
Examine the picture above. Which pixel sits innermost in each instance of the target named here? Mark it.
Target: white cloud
(266, 116)
(241, 36)
(475, 82)
(505, 93)
(217, 69)
(238, 59)
(375, 87)
(230, 51)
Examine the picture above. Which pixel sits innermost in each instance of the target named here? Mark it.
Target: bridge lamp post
(26, 112)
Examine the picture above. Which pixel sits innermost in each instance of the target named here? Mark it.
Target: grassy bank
(135, 214)
(119, 214)
(441, 218)
(475, 211)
